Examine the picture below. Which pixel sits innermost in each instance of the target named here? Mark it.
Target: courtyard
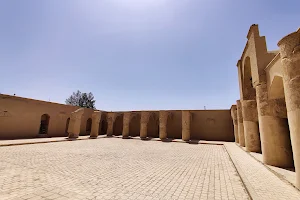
(112, 168)
(115, 168)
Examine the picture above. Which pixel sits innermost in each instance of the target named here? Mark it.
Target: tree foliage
(85, 100)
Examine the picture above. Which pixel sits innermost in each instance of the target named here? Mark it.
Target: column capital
(272, 107)
(111, 117)
(145, 116)
(249, 110)
(96, 116)
(77, 114)
(163, 115)
(233, 111)
(290, 45)
(290, 59)
(239, 111)
(127, 116)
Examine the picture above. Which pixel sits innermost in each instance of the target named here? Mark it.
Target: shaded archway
(153, 126)
(174, 125)
(44, 124)
(88, 127)
(276, 90)
(67, 126)
(134, 126)
(118, 126)
(248, 90)
(103, 124)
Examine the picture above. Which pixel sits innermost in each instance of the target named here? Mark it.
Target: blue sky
(134, 54)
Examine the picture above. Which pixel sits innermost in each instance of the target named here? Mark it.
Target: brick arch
(174, 125)
(134, 125)
(103, 124)
(118, 125)
(276, 90)
(153, 126)
(88, 126)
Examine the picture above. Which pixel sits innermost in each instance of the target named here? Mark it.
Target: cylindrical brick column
(274, 130)
(126, 121)
(240, 123)
(110, 124)
(144, 124)
(290, 59)
(163, 120)
(186, 125)
(235, 122)
(96, 118)
(75, 123)
(250, 121)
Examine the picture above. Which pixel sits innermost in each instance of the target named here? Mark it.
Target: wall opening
(276, 90)
(174, 125)
(45, 118)
(67, 126)
(248, 90)
(134, 126)
(118, 126)
(153, 127)
(103, 127)
(88, 128)
(103, 124)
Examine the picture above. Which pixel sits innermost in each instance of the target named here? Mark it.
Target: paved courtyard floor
(114, 168)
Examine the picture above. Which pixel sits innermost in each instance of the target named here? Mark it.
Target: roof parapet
(253, 29)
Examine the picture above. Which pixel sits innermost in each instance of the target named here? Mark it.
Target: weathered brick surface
(112, 168)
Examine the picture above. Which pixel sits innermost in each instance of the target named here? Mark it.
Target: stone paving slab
(259, 180)
(115, 168)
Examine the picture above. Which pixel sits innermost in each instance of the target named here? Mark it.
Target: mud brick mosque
(266, 118)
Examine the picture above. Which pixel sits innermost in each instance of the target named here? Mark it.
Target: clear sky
(134, 54)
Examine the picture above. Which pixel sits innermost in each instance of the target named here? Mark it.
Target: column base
(275, 141)
(236, 135)
(241, 135)
(73, 136)
(294, 124)
(252, 138)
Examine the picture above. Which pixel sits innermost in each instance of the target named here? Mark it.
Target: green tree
(85, 100)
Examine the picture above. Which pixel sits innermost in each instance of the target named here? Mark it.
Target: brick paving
(259, 180)
(113, 168)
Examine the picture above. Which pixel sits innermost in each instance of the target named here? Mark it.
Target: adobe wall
(20, 117)
(214, 125)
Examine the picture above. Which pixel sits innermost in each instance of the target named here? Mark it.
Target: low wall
(21, 117)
